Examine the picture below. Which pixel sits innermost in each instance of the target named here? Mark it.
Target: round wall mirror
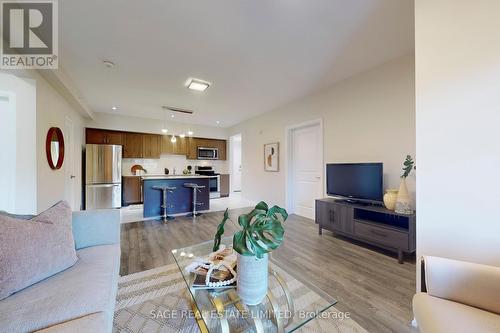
(54, 148)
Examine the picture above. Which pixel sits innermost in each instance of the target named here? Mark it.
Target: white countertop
(152, 177)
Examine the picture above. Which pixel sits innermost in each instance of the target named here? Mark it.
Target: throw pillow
(32, 250)
(16, 216)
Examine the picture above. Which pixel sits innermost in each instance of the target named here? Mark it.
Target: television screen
(358, 181)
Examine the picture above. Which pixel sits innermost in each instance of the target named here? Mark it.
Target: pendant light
(173, 139)
(165, 129)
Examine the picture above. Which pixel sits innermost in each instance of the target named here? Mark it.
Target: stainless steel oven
(214, 185)
(205, 153)
(213, 181)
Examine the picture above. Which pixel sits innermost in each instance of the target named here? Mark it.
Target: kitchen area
(129, 169)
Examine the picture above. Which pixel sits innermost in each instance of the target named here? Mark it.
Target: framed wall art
(271, 157)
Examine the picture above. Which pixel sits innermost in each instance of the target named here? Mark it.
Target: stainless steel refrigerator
(103, 176)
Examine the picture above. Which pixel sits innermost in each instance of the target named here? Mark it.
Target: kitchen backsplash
(177, 162)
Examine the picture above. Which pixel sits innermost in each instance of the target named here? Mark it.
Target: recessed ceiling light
(197, 84)
(114, 108)
(190, 133)
(182, 135)
(172, 116)
(108, 63)
(164, 130)
(217, 122)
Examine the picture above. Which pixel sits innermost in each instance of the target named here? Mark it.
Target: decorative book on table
(216, 271)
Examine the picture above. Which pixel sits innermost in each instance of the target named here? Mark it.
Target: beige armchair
(457, 297)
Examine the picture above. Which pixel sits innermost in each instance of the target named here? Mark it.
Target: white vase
(403, 202)
(252, 277)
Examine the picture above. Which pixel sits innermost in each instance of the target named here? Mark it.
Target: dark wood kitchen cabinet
(221, 146)
(180, 147)
(192, 149)
(144, 145)
(194, 143)
(138, 145)
(98, 136)
(151, 146)
(166, 145)
(132, 146)
(131, 190)
(173, 148)
(224, 185)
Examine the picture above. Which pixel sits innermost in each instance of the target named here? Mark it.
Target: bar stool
(165, 190)
(196, 188)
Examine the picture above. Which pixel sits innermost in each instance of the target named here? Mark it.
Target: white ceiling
(258, 54)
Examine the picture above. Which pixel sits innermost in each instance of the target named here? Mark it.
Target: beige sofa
(81, 298)
(458, 297)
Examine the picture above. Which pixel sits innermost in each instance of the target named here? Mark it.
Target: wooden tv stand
(374, 225)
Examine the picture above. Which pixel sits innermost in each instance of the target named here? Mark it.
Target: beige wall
(458, 139)
(51, 111)
(366, 118)
(38, 107)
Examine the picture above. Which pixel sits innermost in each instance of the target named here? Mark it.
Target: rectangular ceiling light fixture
(197, 84)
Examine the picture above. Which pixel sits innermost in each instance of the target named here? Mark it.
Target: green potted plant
(261, 232)
(403, 202)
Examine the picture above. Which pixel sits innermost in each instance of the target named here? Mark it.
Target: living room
(306, 121)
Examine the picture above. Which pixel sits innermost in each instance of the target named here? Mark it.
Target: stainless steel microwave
(205, 153)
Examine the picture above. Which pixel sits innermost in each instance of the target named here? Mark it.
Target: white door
(236, 163)
(8, 154)
(306, 169)
(69, 165)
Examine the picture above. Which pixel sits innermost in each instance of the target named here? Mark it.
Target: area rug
(144, 295)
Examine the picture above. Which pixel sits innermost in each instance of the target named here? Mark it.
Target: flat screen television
(358, 182)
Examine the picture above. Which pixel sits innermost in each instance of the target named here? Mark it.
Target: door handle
(72, 176)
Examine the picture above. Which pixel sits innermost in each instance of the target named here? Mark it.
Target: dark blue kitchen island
(180, 201)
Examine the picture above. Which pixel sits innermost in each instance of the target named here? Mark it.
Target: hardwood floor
(368, 283)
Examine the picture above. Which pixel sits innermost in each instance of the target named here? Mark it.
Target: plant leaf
(262, 230)
(243, 220)
(262, 206)
(240, 244)
(277, 210)
(220, 231)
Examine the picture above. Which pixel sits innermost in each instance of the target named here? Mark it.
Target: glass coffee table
(289, 303)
